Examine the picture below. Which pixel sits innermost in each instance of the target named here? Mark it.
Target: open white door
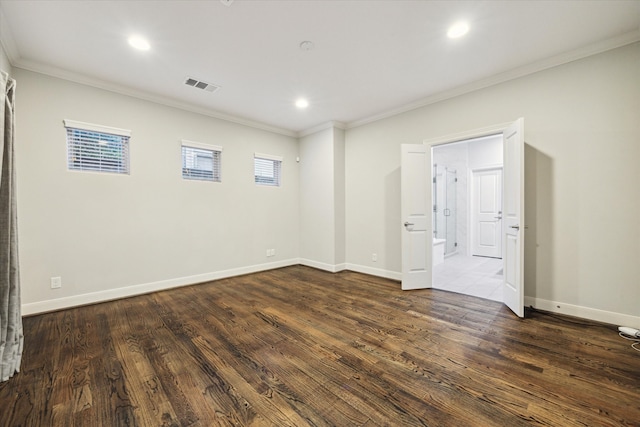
(417, 240)
(513, 216)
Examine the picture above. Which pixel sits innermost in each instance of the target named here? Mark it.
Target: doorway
(417, 239)
(467, 209)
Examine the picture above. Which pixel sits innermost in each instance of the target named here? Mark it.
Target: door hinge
(455, 245)
(456, 180)
(434, 179)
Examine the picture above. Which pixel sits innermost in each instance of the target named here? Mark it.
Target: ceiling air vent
(201, 85)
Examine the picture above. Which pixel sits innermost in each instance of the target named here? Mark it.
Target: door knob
(497, 217)
(407, 224)
(517, 227)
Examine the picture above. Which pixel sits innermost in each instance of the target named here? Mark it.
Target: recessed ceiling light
(139, 43)
(302, 103)
(458, 29)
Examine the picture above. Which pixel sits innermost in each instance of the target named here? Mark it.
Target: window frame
(78, 145)
(216, 152)
(276, 162)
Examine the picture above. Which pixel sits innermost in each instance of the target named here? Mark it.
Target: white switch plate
(56, 282)
(374, 257)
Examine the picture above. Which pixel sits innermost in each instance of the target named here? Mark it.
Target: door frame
(472, 134)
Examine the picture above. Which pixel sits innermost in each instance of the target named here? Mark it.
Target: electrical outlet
(56, 282)
(271, 252)
(374, 257)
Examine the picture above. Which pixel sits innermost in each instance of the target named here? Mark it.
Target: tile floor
(470, 275)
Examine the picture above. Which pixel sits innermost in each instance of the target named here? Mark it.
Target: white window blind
(97, 148)
(267, 169)
(200, 161)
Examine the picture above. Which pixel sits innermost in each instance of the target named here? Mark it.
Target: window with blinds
(200, 161)
(267, 169)
(97, 148)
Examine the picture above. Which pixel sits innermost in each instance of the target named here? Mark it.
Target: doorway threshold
(469, 275)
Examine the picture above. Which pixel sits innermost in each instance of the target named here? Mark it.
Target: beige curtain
(11, 338)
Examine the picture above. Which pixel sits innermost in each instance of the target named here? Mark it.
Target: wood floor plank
(297, 346)
(111, 399)
(136, 328)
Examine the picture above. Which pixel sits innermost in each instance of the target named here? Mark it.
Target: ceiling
(370, 58)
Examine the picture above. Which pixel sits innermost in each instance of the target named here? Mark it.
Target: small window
(267, 169)
(97, 148)
(200, 161)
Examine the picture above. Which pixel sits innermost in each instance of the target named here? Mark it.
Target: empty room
(320, 213)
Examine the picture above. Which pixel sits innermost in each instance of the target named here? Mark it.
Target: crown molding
(321, 127)
(8, 43)
(158, 99)
(554, 61)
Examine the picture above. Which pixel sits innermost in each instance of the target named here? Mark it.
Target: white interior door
(417, 238)
(486, 229)
(513, 217)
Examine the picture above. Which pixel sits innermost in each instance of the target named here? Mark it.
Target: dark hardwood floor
(297, 347)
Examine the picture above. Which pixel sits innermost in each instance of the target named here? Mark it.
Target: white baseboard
(583, 312)
(394, 275)
(124, 292)
(145, 288)
(333, 268)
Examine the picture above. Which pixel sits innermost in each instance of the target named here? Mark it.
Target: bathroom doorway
(465, 184)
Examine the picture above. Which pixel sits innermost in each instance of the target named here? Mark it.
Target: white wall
(339, 197)
(485, 152)
(322, 202)
(5, 65)
(582, 175)
(317, 207)
(108, 235)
